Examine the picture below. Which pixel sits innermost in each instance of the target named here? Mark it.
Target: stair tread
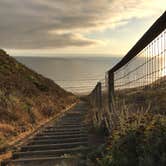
(65, 129)
(42, 158)
(58, 144)
(51, 141)
(60, 136)
(64, 151)
(63, 132)
(59, 127)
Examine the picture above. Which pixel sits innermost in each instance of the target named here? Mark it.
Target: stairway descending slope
(57, 144)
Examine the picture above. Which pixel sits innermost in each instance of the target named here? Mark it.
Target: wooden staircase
(58, 144)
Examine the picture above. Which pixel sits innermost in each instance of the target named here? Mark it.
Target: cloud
(46, 41)
(42, 24)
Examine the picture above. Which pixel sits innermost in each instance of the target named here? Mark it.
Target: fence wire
(146, 68)
(138, 79)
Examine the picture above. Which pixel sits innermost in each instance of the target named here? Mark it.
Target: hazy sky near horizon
(54, 27)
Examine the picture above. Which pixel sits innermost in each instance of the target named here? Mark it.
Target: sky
(74, 27)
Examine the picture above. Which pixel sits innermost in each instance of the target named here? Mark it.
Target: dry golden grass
(6, 128)
(22, 137)
(27, 100)
(5, 156)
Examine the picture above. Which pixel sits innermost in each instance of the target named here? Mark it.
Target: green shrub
(141, 146)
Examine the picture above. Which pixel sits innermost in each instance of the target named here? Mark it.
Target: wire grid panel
(146, 68)
(104, 86)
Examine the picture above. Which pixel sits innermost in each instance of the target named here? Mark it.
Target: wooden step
(66, 126)
(38, 147)
(64, 129)
(41, 137)
(49, 153)
(64, 132)
(45, 161)
(68, 123)
(77, 119)
(52, 140)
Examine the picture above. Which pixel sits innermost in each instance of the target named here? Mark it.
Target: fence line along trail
(142, 69)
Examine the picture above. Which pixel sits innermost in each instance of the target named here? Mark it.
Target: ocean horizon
(75, 74)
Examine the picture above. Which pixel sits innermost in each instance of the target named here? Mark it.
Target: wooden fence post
(100, 95)
(111, 92)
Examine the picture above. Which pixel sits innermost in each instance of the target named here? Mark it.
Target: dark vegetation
(26, 99)
(138, 129)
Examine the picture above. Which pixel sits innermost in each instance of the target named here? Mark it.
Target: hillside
(26, 99)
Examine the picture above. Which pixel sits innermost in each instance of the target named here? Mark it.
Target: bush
(143, 145)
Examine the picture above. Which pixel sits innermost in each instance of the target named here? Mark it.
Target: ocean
(78, 75)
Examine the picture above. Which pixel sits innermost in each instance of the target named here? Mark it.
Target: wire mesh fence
(145, 68)
(139, 78)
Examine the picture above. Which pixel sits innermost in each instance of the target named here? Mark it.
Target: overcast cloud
(36, 24)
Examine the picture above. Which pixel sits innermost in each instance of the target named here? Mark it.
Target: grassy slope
(26, 98)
